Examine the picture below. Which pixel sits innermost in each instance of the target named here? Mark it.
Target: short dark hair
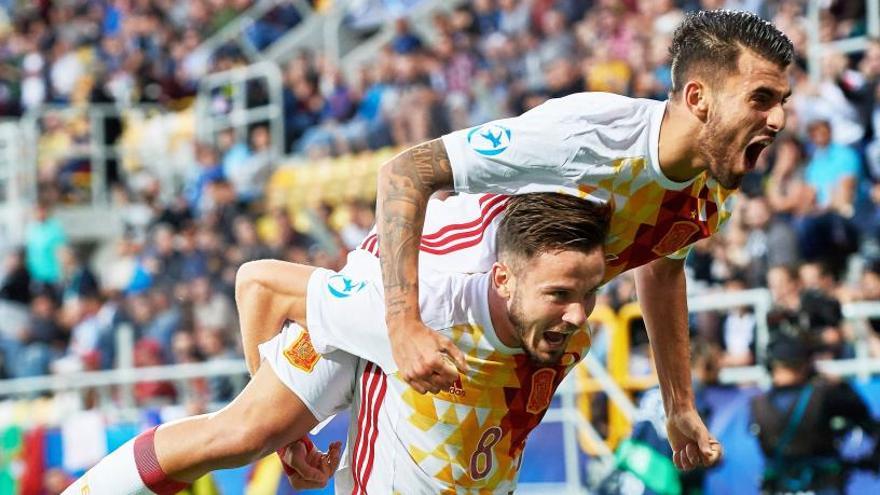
(538, 223)
(710, 41)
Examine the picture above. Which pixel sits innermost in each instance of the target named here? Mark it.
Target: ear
(696, 98)
(502, 279)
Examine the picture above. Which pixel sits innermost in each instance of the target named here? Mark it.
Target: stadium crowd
(806, 224)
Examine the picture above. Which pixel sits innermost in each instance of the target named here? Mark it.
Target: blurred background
(148, 148)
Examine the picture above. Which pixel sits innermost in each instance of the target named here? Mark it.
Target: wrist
(398, 323)
(679, 407)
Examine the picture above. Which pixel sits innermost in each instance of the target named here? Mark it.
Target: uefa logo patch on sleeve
(341, 286)
(301, 354)
(489, 139)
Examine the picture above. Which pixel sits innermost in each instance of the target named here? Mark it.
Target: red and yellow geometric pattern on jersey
(650, 221)
(472, 436)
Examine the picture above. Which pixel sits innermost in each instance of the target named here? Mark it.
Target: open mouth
(753, 151)
(555, 338)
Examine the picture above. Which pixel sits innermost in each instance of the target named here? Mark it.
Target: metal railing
(574, 421)
(236, 31)
(817, 48)
(80, 168)
(222, 103)
(17, 182)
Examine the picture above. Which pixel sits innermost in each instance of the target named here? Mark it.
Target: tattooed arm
(427, 360)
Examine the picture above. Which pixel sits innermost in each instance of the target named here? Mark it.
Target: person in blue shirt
(833, 171)
(43, 239)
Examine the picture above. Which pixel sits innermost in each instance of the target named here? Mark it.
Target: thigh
(295, 374)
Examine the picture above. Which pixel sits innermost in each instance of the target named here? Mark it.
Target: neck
(500, 317)
(784, 376)
(679, 159)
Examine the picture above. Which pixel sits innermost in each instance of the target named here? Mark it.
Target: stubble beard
(713, 145)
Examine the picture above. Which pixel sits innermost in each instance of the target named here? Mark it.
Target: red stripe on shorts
(377, 405)
(368, 386)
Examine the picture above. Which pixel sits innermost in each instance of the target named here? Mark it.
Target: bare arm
(268, 293)
(405, 185)
(661, 289)
(660, 286)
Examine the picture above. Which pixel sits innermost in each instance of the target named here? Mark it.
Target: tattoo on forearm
(403, 195)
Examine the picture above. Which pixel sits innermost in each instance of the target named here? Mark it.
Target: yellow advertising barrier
(618, 324)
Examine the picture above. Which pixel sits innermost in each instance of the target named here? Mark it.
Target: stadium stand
(135, 108)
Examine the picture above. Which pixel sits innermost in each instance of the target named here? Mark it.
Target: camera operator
(817, 312)
(800, 421)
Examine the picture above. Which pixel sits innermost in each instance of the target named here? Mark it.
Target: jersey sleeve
(516, 155)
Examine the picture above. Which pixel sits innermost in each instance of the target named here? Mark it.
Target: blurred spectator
(40, 341)
(233, 152)
(91, 335)
(148, 352)
(557, 43)
(247, 245)
(738, 333)
(207, 169)
(221, 208)
(212, 343)
(800, 421)
(404, 41)
(43, 239)
(147, 51)
(784, 287)
(771, 241)
(248, 174)
(869, 290)
(827, 101)
(361, 221)
(411, 90)
(272, 26)
(368, 129)
(213, 311)
(786, 188)
(832, 171)
(513, 16)
(76, 278)
(16, 281)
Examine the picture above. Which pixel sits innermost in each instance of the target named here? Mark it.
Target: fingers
(429, 362)
(681, 460)
(418, 387)
(299, 483)
(297, 456)
(312, 469)
(332, 458)
(453, 352)
(433, 374)
(691, 456)
(715, 454)
(692, 453)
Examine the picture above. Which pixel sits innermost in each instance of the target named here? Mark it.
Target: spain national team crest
(677, 237)
(301, 354)
(542, 390)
